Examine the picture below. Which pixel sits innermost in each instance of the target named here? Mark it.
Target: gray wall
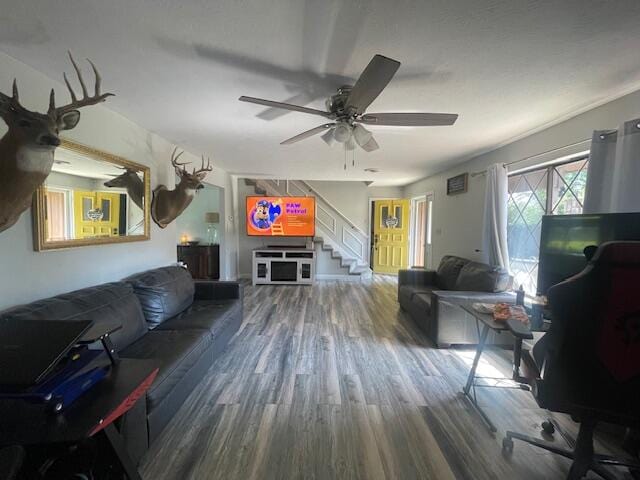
(457, 220)
(27, 275)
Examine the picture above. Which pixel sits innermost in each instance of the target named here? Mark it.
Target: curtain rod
(603, 134)
(482, 172)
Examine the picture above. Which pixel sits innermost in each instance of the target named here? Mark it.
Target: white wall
(27, 275)
(457, 220)
(352, 198)
(192, 221)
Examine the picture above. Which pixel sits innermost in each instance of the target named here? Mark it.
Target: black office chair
(588, 364)
(11, 459)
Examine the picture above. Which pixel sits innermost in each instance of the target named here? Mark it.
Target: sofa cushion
(163, 292)
(448, 271)
(479, 277)
(107, 303)
(176, 352)
(211, 315)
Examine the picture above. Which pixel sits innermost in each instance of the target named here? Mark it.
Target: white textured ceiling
(506, 66)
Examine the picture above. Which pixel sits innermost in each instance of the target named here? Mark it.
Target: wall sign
(457, 184)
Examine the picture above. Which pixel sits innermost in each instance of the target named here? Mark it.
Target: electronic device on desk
(564, 238)
(50, 362)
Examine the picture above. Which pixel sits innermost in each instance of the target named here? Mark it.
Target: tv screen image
(564, 237)
(281, 216)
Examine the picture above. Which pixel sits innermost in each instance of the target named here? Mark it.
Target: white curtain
(613, 180)
(495, 216)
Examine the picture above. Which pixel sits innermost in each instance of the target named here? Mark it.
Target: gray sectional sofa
(166, 316)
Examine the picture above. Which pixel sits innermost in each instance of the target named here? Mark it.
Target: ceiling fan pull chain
(345, 156)
(353, 158)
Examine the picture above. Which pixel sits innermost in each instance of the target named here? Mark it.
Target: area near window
(551, 190)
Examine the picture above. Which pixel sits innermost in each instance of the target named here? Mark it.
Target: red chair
(588, 364)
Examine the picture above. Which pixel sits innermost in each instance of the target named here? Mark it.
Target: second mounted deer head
(167, 205)
(26, 150)
(131, 181)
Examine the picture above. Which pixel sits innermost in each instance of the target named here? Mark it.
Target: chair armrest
(416, 276)
(217, 290)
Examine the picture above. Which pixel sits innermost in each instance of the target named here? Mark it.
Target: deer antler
(202, 169)
(86, 99)
(174, 161)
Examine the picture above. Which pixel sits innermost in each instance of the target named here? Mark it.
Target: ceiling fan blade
(307, 134)
(409, 119)
(375, 77)
(286, 106)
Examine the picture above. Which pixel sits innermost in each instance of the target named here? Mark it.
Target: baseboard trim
(330, 276)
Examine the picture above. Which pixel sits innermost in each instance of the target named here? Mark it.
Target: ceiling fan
(347, 110)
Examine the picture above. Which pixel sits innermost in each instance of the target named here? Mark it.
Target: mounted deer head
(167, 205)
(26, 150)
(132, 183)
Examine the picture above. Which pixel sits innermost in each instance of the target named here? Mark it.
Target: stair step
(359, 271)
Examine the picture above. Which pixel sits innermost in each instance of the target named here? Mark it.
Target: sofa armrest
(416, 276)
(217, 290)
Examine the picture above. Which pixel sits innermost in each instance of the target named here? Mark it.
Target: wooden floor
(334, 381)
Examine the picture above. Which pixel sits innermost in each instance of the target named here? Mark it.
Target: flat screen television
(564, 237)
(281, 216)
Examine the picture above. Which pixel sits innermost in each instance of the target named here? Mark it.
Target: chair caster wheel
(507, 445)
(548, 428)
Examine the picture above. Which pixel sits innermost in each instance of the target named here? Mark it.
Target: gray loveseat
(432, 298)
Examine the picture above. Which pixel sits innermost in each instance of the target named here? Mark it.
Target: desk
(516, 328)
(30, 424)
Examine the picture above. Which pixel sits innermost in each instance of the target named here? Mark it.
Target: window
(555, 190)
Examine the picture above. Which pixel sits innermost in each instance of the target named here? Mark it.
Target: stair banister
(342, 215)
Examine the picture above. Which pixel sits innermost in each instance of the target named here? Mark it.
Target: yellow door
(390, 235)
(96, 214)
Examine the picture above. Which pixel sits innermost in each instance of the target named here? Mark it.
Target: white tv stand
(284, 266)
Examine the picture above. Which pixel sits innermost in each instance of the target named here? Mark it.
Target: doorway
(420, 231)
(389, 235)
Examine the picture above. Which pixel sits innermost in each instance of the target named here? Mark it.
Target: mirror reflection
(87, 198)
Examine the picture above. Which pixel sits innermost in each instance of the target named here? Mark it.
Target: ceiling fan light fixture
(342, 133)
(361, 135)
(328, 137)
(350, 144)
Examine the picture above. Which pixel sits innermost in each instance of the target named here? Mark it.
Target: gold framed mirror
(91, 198)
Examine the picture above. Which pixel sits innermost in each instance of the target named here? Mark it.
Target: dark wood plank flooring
(335, 382)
